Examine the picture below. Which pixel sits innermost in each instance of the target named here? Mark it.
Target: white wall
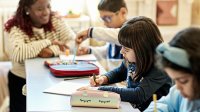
(135, 7)
(7, 8)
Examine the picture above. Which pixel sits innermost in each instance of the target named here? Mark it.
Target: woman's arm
(63, 34)
(19, 50)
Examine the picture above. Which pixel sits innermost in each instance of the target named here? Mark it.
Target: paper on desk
(82, 57)
(64, 88)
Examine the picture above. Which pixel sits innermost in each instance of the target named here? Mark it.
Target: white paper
(64, 88)
(82, 57)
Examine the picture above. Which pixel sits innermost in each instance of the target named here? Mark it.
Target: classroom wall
(135, 8)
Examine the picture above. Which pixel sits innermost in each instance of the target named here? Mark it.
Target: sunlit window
(65, 7)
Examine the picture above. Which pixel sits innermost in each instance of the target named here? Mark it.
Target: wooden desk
(39, 78)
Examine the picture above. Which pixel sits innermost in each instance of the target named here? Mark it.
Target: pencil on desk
(155, 100)
(72, 78)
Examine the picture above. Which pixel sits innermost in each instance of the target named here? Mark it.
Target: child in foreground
(180, 59)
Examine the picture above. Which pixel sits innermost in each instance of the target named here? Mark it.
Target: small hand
(87, 88)
(81, 36)
(83, 88)
(46, 53)
(82, 51)
(99, 80)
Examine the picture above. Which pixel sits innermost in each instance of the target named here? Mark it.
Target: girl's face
(39, 12)
(184, 82)
(128, 54)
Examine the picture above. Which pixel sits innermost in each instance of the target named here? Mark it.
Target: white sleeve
(106, 34)
(100, 52)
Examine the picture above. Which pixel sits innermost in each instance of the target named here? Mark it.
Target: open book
(64, 88)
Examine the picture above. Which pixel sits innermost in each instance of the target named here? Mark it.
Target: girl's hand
(87, 88)
(83, 88)
(99, 80)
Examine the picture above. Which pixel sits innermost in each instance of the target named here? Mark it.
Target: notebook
(64, 88)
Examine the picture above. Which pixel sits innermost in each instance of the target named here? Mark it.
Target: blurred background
(170, 15)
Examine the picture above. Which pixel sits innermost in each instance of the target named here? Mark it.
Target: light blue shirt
(175, 102)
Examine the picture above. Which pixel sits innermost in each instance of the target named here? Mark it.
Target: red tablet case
(82, 68)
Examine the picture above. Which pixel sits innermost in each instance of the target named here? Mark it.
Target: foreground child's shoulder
(155, 72)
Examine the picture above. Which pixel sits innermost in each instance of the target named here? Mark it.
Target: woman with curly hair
(34, 31)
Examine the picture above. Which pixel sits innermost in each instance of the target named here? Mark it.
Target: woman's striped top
(22, 47)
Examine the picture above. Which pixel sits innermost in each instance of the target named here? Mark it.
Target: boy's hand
(81, 36)
(82, 50)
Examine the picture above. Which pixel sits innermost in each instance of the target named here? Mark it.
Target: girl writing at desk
(180, 59)
(139, 38)
(34, 31)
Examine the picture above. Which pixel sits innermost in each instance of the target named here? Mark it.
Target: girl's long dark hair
(23, 21)
(143, 36)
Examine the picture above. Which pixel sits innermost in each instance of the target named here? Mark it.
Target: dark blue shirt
(114, 51)
(140, 93)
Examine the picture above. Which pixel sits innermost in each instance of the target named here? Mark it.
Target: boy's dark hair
(187, 39)
(143, 36)
(23, 21)
(111, 5)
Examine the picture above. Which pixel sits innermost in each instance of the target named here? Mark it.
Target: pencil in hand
(94, 78)
(155, 100)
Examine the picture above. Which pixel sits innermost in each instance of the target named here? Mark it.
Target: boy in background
(114, 14)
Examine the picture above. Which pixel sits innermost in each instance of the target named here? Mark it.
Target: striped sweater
(22, 47)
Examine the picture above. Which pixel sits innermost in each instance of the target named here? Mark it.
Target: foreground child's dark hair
(143, 36)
